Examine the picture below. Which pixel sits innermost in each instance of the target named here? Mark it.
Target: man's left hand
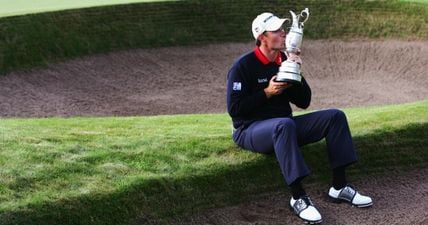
(295, 57)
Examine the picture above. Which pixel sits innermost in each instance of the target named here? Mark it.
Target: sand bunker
(179, 80)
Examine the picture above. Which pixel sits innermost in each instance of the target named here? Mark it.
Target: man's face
(274, 40)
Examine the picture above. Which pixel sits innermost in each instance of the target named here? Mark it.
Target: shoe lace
(303, 203)
(350, 189)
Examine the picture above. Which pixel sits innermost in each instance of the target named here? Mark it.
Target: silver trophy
(289, 71)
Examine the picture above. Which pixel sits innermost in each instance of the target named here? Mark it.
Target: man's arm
(300, 95)
(240, 99)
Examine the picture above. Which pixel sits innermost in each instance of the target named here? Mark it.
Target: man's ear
(262, 38)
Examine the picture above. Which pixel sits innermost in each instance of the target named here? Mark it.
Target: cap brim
(275, 24)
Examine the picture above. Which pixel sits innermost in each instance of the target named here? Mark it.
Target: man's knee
(284, 125)
(336, 114)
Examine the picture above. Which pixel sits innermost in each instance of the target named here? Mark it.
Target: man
(263, 121)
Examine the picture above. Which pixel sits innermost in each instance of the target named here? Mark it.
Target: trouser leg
(333, 125)
(276, 135)
(284, 136)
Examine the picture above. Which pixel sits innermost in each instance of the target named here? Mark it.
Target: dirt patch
(178, 80)
(401, 198)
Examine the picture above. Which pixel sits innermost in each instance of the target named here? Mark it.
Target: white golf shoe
(305, 210)
(350, 195)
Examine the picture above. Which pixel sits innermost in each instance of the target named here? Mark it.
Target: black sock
(339, 177)
(296, 189)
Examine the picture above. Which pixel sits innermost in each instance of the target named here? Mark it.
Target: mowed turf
(21, 7)
(39, 39)
(126, 170)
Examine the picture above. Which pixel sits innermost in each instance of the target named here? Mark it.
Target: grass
(22, 7)
(39, 39)
(136, 170)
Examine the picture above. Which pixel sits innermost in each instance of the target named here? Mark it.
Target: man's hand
(275, 88)
(295, 57)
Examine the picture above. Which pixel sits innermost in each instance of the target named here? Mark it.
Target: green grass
(39, 39)
(134, 170)
(22, 7)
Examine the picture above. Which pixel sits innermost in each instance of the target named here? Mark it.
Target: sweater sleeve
(300, 95)
(241, 100)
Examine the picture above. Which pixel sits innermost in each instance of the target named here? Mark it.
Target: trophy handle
(304, 14)
(288, 21)
(294, 19)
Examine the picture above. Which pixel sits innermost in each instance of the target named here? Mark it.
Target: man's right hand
(275, 88)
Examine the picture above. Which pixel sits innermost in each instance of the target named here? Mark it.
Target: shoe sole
(338, 201)
(304, 220)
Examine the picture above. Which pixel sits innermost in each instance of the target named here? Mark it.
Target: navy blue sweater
(246, 99)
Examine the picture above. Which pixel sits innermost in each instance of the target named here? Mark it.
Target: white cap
(266, 22)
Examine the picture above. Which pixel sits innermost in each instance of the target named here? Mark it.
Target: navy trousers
(284, 136)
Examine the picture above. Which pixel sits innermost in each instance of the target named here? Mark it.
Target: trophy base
(289, 72)
(289, 78)
(289, 81)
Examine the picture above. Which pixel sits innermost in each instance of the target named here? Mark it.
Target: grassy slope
(38, 39)
(127, 170)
